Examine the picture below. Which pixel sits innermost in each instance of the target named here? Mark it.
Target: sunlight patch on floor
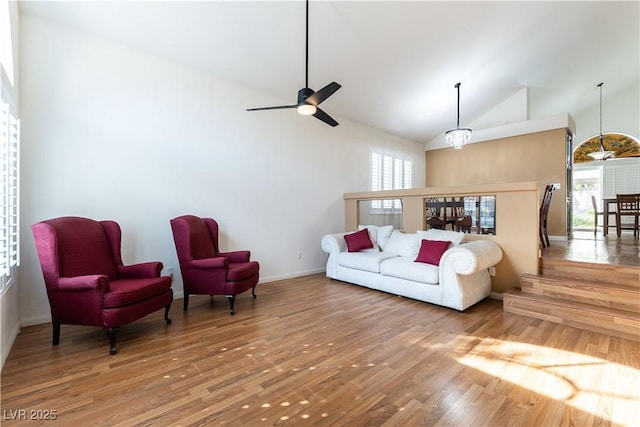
(575, 379)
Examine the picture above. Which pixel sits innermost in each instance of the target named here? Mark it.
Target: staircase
(596, 297)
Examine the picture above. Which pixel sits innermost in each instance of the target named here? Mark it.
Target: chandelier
(458, 137)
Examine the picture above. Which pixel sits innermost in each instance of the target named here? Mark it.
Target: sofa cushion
(367, 261)
(382, 232)
(431, 251)
(405, 268)
(402, 244)
(358, 241)
(455, 237)
(239, 271)
(373, 233)
(130, 291)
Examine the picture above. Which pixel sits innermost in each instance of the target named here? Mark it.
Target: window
(9, 178)
(389, 173)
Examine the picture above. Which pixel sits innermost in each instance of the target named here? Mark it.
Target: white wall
(112, 133)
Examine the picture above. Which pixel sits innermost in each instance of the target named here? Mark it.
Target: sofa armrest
(93, 282)
(472, 257)
(237, 256)
(140, 271)
(464, 275)
(334, 243)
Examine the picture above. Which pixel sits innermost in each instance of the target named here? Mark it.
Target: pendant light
(601, 154)
(458, 137)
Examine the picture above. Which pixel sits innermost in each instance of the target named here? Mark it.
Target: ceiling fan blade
(280, 107)
(307, 98)
(321, 115)
(323, 93)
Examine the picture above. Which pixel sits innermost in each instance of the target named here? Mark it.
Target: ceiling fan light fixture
(601, 154)
(308, 99)
(307, 109)
(458, 137)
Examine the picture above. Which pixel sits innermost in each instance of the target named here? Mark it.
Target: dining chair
(596, 213)
(435, 207)
(544, 212)
(628, 205)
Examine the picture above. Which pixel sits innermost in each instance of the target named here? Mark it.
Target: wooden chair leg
(56, 333)
(166, 314)
(186, 301)
(111, 333)
(253, 291)
(546, 236)
(232, 300)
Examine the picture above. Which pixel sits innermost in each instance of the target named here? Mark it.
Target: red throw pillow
(431, 251)
(358, 241)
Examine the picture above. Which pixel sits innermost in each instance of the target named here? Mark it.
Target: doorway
(587, 183)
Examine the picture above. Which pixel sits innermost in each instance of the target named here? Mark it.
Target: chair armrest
(209, 263)
(84, 283)
(236, 256)
(334, 243)
(140, 271)
(472, 257)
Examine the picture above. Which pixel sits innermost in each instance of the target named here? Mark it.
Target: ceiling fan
(308, 99)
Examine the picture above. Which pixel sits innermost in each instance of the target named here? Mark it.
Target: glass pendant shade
(458, 137)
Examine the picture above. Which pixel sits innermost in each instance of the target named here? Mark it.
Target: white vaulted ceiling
(397, 61)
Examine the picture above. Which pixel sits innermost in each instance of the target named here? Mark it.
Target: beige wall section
(516, 222)
(539, 156)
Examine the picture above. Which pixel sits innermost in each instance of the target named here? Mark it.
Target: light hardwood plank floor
(317, 352)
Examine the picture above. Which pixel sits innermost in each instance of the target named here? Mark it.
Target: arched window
(622, 145)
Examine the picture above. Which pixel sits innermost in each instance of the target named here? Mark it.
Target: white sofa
(460, 280)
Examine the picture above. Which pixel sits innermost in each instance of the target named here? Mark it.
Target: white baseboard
(292, 275)
(496, 295)
(38, 320)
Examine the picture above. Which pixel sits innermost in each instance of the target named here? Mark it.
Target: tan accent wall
(539, 157)
(516, 222)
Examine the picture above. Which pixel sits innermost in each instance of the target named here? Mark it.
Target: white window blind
(9, 179)
(389, 173)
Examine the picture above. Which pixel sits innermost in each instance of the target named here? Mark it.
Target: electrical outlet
(299, 255)
(170, 271)
(492, 271)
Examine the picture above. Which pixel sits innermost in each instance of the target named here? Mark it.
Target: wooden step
(611, 295)
(591, 271)
(619, 323)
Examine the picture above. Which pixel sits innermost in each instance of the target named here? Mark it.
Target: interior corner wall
(109, 132)
(537, 157)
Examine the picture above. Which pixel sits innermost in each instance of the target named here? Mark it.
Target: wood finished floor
(317, 352)
(585, 247)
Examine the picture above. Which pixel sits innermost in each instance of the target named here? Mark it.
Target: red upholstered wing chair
(86, 282)
(205, 270)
